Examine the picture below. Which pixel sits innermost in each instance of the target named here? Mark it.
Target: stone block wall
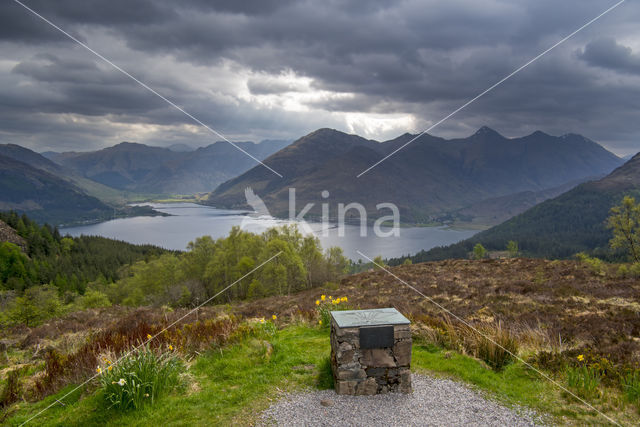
(359, 371)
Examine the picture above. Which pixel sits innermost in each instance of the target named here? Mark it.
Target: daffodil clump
(326, 304)
(585, 378)
(268, 327)
(140, 378)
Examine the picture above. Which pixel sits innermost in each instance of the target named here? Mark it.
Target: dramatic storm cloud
(280, 69)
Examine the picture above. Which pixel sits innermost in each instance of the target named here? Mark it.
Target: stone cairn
(358, 371)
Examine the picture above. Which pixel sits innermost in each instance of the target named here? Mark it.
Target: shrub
(140, 378)
(378, 263)
(38, 304)
(595, 265)
(479, 252)
(512, 248)
(499, 350)
(12, 388)
(629, 270)
(92, 299)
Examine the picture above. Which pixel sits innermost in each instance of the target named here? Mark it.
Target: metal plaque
(374, 317)
(376, 337)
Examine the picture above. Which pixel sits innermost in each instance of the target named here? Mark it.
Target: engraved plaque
(376, 337)
(374, 317)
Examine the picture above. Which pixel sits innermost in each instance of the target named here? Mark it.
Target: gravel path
(434, 402)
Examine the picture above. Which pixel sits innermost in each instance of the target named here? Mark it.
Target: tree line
(235, 262)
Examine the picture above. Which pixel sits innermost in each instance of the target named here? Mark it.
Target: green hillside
(557, 228)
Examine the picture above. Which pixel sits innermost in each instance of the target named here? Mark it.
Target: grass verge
(231, 386)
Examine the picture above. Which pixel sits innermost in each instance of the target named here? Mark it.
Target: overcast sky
(271, 69)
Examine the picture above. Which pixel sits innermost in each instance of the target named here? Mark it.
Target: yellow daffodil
(99, 370)
(323, 297)
(274, 317)
(345, 299)
(122, 382)
(319, 322)
(149, 336)
(109, 362)
(580, 358)
(317, 302)
(170, 347)
(330, 297)
(109, 368)
(262, 320)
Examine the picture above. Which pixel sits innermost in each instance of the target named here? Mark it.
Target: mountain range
(559, 227)
(176, 170)
(431, 179)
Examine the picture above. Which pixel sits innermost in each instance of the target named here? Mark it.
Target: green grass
(229, 386)
(518, 384)
(232, 385)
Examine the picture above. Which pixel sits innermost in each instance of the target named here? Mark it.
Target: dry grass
(74, 359)
(551, 306)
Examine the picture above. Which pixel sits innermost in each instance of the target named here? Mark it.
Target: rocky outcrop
(8, 234)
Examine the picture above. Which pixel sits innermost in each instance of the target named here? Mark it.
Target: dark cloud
(608, 53)
(234, 63)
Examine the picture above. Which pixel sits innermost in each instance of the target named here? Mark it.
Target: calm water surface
(189, 221)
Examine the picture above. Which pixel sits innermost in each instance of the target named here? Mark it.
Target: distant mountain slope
(44, 196)
(142, 168)
(30, 157)
(428, 179)
(560, 227)
(499, 209)
(39, 161)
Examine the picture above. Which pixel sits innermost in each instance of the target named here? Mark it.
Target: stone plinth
(370, 351)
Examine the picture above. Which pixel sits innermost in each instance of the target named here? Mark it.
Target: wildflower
(262, 320)
(109, 361)
(122, 382)
(109, 368)
(580, 357)
(317, 302)
(99, 370)
(146, 395)
(274, 317)
(344, 299)
(170, 347)
(330, 297)
(323, 297)
(319, 322)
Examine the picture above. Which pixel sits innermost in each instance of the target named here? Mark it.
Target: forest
(56, 274)
(68, 263)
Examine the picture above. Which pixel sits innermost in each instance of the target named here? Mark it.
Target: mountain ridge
(427, 179)
(142, 168)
